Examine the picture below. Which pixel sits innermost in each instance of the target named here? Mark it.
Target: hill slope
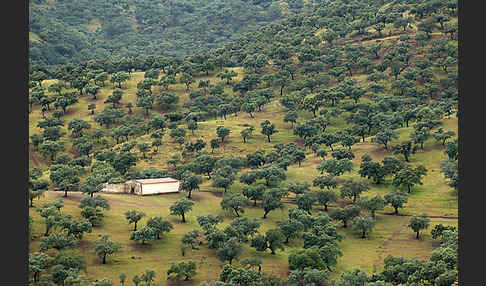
(336, 90)
(73, 31)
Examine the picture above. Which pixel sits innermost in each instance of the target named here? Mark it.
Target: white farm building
(144, 187)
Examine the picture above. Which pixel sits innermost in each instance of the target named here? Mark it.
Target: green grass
(34, 37)
(390, 236)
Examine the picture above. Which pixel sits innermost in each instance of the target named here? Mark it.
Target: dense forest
(74, 31)
(315, 146)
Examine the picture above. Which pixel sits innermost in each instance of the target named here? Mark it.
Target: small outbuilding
(116, 188)
(144, 187)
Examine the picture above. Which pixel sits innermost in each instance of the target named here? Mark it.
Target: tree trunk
(236, 211)
(230, 260)
(345, 224)
(104, 259)
(183, 218)
(268, 138)
(396, 210)
(65, 193)
(135, 228)
(265, 214)
(91, 194)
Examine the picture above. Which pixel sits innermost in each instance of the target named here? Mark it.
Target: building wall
(115, 188)
(149, 189)
(135, 186)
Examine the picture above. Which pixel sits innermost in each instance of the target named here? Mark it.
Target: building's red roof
(157, 181)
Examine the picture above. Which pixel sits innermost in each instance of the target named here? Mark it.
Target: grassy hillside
(413, 74)
(391, 235)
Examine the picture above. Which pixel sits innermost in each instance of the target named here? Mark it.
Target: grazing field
(391, 235)
(336, 131)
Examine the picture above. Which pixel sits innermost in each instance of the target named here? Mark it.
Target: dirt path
(429, 216)
(383, 249)
(111, 198)
(293, 202)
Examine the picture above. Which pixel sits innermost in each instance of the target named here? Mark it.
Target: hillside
(73, 31)
(362, 108)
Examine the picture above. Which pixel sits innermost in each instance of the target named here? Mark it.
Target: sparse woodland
(319, 148)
